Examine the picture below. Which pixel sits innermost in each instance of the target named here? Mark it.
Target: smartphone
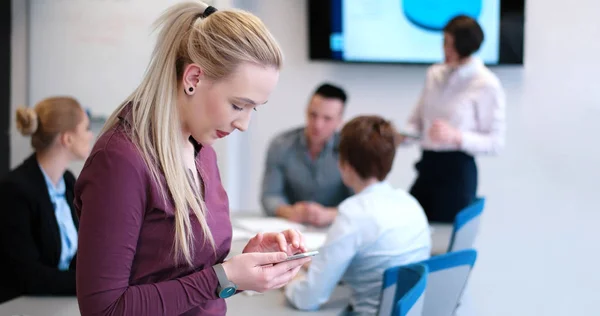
(301, 255)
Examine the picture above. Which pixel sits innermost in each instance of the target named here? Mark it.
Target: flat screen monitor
(410, 31)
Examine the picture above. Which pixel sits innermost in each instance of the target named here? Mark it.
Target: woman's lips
(221, 134)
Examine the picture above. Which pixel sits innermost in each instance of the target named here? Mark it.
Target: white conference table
(269, 303)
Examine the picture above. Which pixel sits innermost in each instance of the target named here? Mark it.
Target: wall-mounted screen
(410, 31)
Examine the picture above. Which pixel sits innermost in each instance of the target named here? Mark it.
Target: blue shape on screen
(433, 15)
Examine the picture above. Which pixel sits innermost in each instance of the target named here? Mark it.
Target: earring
(191, 89)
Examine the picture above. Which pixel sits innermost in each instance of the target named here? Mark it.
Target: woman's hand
(444, 133)
(261, 272)
(289, 241)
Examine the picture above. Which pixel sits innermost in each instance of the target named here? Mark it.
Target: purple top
(126, 235)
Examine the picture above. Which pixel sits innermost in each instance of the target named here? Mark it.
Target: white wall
(19, 146)
(537, 250)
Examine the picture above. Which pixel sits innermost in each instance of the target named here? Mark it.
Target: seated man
(302, 182)
(378, 228)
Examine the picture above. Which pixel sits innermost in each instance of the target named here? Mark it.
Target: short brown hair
(367, 144)
(49, 118)
(467, 34)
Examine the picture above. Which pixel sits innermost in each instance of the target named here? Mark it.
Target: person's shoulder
(286, 139)
(21, 178)
(487, 79)
(402, 196)
(15, 181)
(116, 145)
(354, 206)
(287, 136)
(435, 69)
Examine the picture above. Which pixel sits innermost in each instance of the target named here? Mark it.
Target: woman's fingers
(302, 242)
(281, 240)
(265, 258)
(293, 237)
(297, 240)
(283, 267)
(285, 278)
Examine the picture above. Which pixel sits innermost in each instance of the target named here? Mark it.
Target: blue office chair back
(406, 283)
(466, 226)
(412, 281)
(447, 277)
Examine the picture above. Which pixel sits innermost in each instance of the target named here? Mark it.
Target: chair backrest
(466, 226)
(446, 280)
(412, 281)
(397, 282)
(388, 291)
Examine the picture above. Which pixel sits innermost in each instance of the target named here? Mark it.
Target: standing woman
(38, 224)
(461, 114)
(154, 217)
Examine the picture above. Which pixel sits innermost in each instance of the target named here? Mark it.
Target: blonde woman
(38, 224)
(154, 218)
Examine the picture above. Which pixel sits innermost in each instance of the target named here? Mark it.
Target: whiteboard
(94, 50)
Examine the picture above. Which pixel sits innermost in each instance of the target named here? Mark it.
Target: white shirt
(470, 98)
(378, 228)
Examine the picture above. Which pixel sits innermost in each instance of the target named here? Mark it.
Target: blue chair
(466, 226)
(412, 281)
(402, 290)
(446, 279)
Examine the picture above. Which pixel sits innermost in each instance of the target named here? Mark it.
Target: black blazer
(30, 244)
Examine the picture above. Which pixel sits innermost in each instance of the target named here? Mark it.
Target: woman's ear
(192, 75)
(65, 139)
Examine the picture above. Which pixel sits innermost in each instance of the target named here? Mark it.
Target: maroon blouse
(125, 264)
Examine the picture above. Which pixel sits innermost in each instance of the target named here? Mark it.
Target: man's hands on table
(308, 212)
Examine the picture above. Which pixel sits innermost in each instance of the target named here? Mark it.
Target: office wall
(19, 146)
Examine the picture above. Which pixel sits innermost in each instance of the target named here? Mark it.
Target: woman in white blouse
(460, 114)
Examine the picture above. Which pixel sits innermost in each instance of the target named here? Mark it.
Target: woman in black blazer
(38, 225)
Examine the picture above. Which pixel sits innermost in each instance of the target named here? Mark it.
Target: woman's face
(216, 108)
(79, 140)
(450, 54)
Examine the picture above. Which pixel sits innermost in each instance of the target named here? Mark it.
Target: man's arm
(491, 119)
(327, 268)
(273, 197)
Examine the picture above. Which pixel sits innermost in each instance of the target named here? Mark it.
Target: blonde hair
(48, 119)
(218, 43)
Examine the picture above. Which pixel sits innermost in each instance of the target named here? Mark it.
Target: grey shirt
(291, 175)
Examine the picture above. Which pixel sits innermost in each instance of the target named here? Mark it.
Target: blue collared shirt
(379, 228)
(64, 219)
(291, 175)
